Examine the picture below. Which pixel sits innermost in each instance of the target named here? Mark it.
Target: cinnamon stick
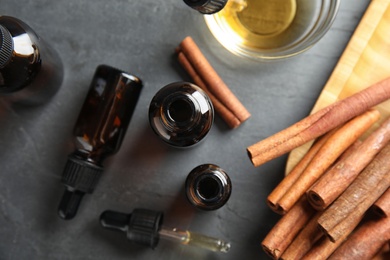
(382, 206)
(384, 253)
(323, 248)
(347, 209)
(288, 181)
(230, 119)
(304, 241)
(340, 176)
(318, 123)
(211, 79)
(285, 230)
(366, 241)
(327, 155)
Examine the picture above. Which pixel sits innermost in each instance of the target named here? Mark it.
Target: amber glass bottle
(181, 114)
(208, 187)
(98, 133)
(30, 70)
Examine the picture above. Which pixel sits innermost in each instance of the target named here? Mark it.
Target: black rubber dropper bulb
(98, 133)
(70, 203)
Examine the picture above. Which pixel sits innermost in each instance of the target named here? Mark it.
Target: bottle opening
(209, 188)
(180, 111)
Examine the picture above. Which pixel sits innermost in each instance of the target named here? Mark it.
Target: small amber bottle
(208, 187)
(98, 133)
(31, 71)
(181, 114)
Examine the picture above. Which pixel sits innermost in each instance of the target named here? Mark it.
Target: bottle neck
(208, 187)
(88, 156)
(180, 112)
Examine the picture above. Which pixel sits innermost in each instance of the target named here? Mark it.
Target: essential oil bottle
(208, 187)
(181, 114)
(98, 133)
(30, 70)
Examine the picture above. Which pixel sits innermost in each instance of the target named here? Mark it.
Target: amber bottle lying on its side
(99, 131)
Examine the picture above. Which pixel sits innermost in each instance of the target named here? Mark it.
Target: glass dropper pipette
(145, 227)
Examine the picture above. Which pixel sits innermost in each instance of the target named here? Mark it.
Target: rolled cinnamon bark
(340, 176)
(323, 248)
(304, 241)
(365, 242)
(285, 230)
(227, 115)
(347, 209)
(211, 78)
(384, 254)
(318, 123)
(340, 141)
(288, 181)
(382, 206)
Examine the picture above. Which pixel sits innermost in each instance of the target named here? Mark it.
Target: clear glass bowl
(259, 30)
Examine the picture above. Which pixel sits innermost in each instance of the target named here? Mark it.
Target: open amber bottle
(98, 133)
(181, 114)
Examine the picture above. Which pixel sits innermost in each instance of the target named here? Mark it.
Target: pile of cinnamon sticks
(336, 201)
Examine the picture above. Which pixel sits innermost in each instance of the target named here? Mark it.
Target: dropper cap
(6, 46)
(141, 226)
(80, 177)
(206, 6)
(70, 203)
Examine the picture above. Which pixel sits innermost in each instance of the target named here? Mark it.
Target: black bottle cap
(141, 226)
(207, 6)
(79, 177)
(6, 46)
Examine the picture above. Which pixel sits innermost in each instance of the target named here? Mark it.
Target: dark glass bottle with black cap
(98, 133)
(181, 114)
(31, 71)
(207, 6)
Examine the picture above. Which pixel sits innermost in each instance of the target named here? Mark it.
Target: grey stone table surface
(140, 37)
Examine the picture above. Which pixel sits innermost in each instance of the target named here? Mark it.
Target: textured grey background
(140, 37)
